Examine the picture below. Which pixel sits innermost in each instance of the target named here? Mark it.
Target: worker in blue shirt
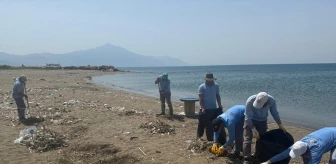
(233, 120)
(208, 94)
(165, 94)
(311, 147)
(18, 94)
(256, 114)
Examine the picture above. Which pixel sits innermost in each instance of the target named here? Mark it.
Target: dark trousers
(21, 107)
(163, 98)
(239, 136)
(205, 122)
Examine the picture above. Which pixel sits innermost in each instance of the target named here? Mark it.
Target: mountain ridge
(106, 54)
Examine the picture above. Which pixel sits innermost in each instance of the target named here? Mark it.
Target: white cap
(260, 100)
(298, 149)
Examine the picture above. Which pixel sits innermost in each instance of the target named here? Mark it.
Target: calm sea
(305, 93)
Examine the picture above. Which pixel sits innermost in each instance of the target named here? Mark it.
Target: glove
(255, 133)
(214, 148)
(267, 162)
(220, 151)
(282, 128)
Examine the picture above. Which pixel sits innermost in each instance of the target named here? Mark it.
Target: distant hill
(103, 55)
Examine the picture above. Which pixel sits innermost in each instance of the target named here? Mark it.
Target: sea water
(305, 93)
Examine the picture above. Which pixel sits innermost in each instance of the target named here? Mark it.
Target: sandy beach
(100, 125)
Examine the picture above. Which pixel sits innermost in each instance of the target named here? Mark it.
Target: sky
(200, 32)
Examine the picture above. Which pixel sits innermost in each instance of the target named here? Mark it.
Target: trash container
(272, 143)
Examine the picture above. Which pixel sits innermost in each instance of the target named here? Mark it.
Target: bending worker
(311, 148)
(165, 94)
(256, 113)
(18, 95)
(233, 120)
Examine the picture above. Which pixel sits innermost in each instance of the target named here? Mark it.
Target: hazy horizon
(198, 32)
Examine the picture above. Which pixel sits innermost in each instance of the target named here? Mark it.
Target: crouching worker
(18, 95)
(233, 120)
(311, 148)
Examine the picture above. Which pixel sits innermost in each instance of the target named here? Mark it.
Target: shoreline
(286, 121)
(101, 124)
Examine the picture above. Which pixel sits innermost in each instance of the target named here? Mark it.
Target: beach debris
(26, 133)
(70, 120)
(127, 113)
(130, 112)
(42, 140)
(71, 102)
(142, 152)
(188, 141)
(158, 126)
(132, 138)
(197, 146)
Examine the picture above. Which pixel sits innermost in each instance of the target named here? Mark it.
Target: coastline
(286, 120)
(103, 120)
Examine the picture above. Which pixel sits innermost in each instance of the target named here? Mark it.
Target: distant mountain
(103, 55)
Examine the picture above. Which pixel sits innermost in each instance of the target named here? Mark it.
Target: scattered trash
(127, 112)
(26, 133)
(197, 146)
(188, 141)
(157, 126)
(131, 138)
(142, 152)
(71, 102)
(41, 141)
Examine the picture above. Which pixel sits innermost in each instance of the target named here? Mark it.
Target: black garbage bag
(272, 143)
